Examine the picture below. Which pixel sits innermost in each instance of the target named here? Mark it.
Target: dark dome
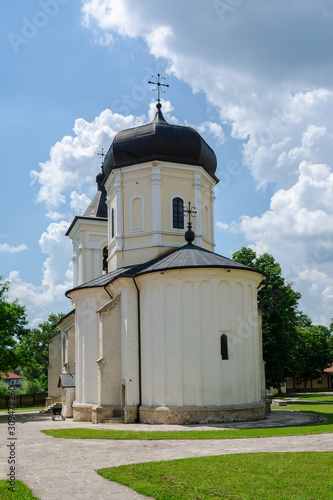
(159, 140)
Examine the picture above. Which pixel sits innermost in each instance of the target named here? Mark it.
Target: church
(163, 330)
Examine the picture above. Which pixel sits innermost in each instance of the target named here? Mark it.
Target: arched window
(177, 213)
(137, 213)
(105, 260)
(224, 347)
(112, 223)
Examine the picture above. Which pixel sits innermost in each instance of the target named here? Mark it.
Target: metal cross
(158, 85)
(102, 154)
(189, 212)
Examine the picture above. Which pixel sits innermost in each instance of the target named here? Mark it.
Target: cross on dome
(158, 84)
(189, 212)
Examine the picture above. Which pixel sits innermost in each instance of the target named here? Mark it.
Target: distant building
(12, 379)
(323, 382)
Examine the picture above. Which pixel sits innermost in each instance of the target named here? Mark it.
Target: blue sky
(255, 78)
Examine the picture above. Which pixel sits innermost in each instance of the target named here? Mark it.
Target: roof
(329, 369)
(72, 312)
(66, 380)
(10, 375)
(186, 257)
(98, 206)
(160, 140)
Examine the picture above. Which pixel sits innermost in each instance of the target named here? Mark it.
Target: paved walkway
(61, 469)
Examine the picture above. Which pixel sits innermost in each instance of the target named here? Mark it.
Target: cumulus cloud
(79, 202)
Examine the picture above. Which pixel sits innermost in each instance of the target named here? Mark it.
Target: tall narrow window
(105, 260)
(177, 213)
(224, 347)
(112, 223)
(206, 221)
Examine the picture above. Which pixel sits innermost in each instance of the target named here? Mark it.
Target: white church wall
(181, 334)
(87, 302)
(109, 354)
(129, 339)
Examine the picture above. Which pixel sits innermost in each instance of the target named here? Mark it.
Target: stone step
(49, 409)
(114, 420)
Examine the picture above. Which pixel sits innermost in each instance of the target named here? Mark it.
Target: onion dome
(162, 141)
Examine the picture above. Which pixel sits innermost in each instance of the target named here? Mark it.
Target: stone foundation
(202, 415)
(82, 412)
(130, 414)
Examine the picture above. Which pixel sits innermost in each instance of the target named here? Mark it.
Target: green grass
(32, 408)
(21, 492)
(306, 395)
(323, 410)
(272, 476)
(322, 399)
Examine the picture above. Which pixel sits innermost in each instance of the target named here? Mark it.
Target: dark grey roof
(160, 140)
(98, 206)
(65, 317)
(66, 380)
(186, 257)
(81, 217)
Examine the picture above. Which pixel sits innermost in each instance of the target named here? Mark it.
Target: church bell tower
(151, 173)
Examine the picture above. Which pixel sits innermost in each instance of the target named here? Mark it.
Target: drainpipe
(139, 349)
(109, 294)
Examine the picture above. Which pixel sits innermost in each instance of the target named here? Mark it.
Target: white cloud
(57, 277)
(5, 247)
(53, 215)
(213, 129)
(79, 202)
(222, 225)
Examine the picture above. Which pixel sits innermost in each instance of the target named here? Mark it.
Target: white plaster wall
(183, 315)
(129, 340)
(87, 303)
(110, 352)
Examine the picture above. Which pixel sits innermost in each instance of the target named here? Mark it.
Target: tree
(34, 350)
(314, 352)
(3, 388)
(12, 329)
(278, 303)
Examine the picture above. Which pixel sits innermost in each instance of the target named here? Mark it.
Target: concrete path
(61, 469)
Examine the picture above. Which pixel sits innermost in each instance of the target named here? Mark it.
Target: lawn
(325, 411)
(32, 408)
(21, 492)
(272, 476)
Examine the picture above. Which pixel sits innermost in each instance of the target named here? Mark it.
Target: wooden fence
(23, 400)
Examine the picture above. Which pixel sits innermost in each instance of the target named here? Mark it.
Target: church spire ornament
(189, 212)
(158, 84)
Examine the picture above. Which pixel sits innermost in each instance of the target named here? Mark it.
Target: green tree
(3, 388)
(31, 387)
(278, 303)
(314, 352)
(303, 320)
(12, 329)
(34, 350)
